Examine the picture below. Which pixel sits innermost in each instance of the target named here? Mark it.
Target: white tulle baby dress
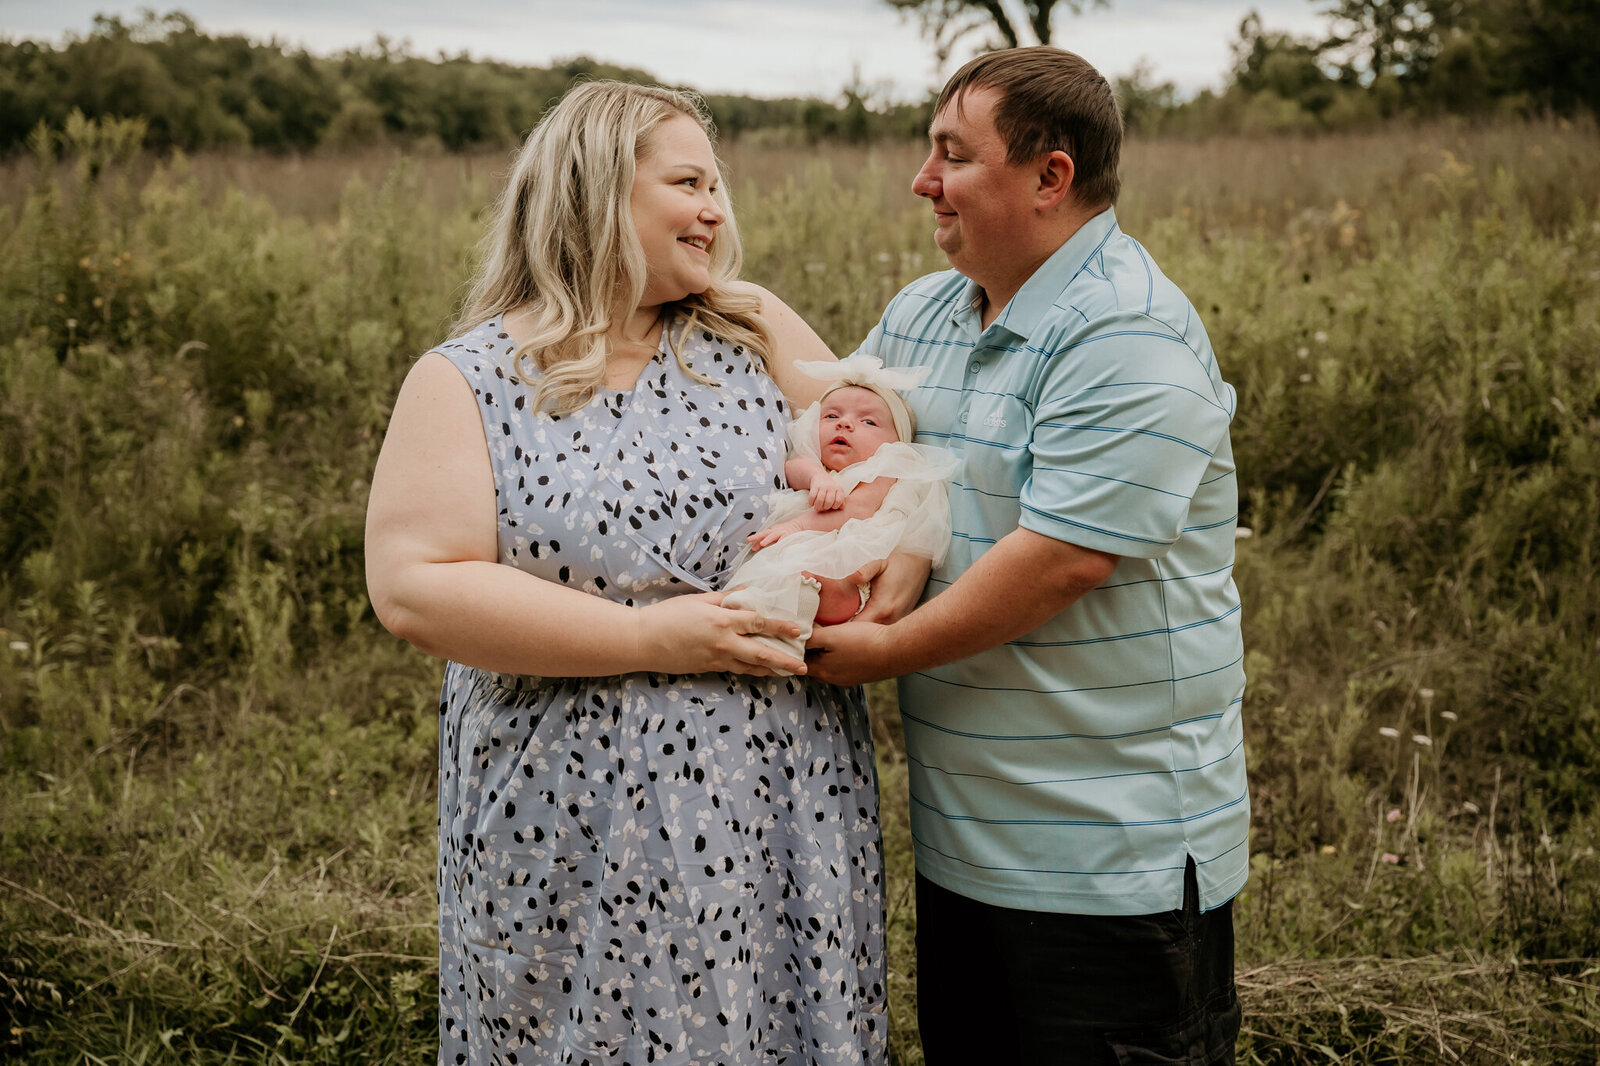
(914, 517)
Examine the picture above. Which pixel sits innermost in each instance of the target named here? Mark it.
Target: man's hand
(1014, 587)
(853, 653)
(895, 588)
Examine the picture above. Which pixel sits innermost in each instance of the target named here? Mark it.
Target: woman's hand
(695, 634)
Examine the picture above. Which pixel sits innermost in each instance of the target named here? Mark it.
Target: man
(1071, 684)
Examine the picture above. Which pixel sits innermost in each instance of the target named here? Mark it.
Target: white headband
(864, 369)
(868, 372)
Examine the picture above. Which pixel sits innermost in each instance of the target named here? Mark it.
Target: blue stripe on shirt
(1085, 823)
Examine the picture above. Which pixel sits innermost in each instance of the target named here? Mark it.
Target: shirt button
(963, 418)
(974, 368)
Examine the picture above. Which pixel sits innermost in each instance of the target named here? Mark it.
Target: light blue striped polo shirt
(1077, 767)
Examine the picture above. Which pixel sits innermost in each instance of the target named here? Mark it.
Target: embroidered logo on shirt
(994, 422)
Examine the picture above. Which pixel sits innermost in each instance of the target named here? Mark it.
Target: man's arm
(896, 587)
(1015, 587)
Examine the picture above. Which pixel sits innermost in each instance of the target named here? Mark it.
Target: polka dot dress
(650, 868)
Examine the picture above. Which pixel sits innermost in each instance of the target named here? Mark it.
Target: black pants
(998, 986)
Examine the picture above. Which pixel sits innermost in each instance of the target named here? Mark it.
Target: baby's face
(855, 421)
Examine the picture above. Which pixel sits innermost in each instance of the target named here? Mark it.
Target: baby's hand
(826, 493)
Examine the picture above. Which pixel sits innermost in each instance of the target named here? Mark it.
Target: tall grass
(216, 772)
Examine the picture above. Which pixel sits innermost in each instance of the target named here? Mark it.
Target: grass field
(217, 772)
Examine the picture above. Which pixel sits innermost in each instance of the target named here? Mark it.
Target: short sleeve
(1126, 425)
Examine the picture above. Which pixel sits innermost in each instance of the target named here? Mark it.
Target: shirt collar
(1039, 293)
(964, 315)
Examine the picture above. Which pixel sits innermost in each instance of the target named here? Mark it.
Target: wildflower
(1391, 858)
(1469, 806)
(1302, 351)
(1388, 731)
(1393, 815)
(1320, 336)
(1425, 693)
(98, 302)
(1304, 378)
(19, 646)
(61, 297)
(1425, 741)
(1243, 533)
(1330, 849)
(1448, 716)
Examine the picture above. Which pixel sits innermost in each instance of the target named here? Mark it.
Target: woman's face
(855, 423)
(674, 211)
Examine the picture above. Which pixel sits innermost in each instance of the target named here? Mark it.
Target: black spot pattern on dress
(651, 868)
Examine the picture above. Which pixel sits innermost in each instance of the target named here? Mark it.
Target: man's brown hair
(1050, 99)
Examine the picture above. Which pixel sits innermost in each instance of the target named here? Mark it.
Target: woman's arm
(792, 341)
(435, 580)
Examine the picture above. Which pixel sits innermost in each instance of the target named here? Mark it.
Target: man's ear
(1056, 173)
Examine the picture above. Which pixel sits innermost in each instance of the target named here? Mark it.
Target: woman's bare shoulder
(793, 341)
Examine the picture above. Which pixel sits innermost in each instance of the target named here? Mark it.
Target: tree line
(1378, 60)
(1382, 59)
(199, 91)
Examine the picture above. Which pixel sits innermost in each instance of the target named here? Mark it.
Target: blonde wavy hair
(561, 243)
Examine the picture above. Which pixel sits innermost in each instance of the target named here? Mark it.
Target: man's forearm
(1022, 582)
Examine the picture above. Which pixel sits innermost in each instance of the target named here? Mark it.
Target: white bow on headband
(864, 369)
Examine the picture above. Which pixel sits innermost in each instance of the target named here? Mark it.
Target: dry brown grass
(1404, 172)
(1435, 1008)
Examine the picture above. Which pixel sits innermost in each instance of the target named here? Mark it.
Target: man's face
(982, 204)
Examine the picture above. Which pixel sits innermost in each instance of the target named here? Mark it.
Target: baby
(859, 492)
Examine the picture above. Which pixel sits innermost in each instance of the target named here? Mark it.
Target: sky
(750, 47)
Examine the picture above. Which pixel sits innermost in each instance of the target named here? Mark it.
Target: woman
(652, 849)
